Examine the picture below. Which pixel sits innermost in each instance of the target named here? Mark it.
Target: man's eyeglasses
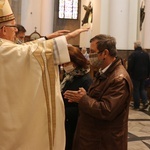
(14, 26)
(93, 52)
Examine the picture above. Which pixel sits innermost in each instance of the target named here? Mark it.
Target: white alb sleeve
(61, 54)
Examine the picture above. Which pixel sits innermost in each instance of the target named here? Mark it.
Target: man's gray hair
(137, 44)
(106, 42)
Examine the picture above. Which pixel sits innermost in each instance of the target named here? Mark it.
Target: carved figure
(88, 14)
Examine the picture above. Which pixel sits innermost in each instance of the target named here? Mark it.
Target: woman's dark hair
(77, 57)
(105, 42)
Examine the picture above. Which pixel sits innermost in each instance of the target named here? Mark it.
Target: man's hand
(57, 33)
(74, 96)
(75, 33)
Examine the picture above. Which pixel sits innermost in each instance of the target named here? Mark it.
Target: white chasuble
(31, 107)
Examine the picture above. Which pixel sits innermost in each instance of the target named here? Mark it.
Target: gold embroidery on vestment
(50, 103)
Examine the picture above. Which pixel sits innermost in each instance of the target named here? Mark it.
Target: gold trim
(38, 55)
(7, 18)
(51, 72)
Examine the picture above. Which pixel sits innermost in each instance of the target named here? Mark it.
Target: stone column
(39, 14)
(31, 15)
(118, 22)
(16, 8)
(47, 17)
(146, 26)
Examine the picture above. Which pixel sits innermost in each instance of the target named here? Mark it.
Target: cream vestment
(31, 106)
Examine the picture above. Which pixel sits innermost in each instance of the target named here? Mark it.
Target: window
(68, 9)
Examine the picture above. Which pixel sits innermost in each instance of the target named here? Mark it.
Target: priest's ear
(3, 30)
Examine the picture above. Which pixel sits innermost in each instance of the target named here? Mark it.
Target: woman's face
(69, 67)
(67, 64)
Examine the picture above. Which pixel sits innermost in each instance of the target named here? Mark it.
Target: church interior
(120, 18)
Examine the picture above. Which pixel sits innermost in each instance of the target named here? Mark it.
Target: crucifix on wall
(88, 15)
(142, 15)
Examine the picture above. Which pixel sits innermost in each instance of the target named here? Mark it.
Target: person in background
(139, 70)
(20, 34)
(31, 106)
(76, 76)
(85, 53)
(104, 109)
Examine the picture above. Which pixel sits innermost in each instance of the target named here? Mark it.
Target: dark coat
(71, 109)
(103, 120)
(139, 64)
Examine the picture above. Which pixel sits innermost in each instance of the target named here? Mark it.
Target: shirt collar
(104, 70)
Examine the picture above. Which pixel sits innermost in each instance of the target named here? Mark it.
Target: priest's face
(9, 30)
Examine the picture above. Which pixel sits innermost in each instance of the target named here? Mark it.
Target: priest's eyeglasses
(14, 26)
